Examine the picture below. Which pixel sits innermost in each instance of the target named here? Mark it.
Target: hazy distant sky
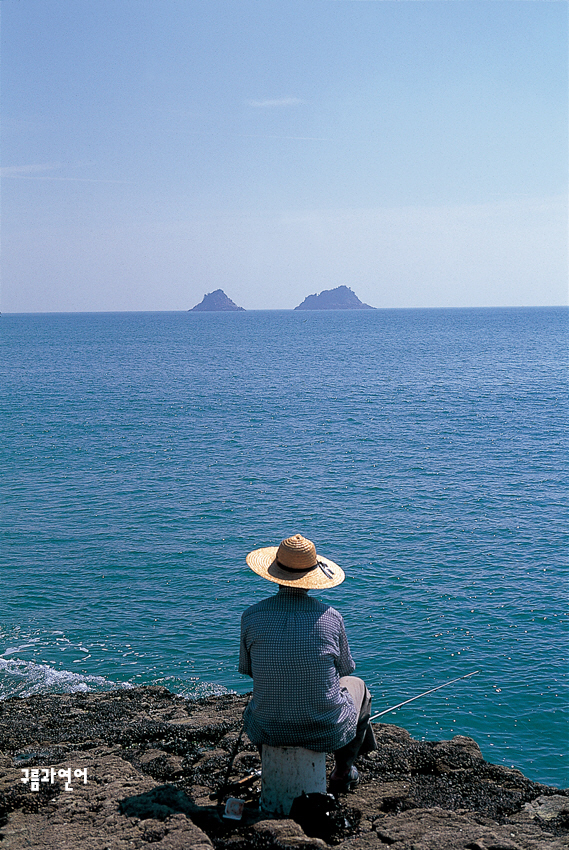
(156, 150)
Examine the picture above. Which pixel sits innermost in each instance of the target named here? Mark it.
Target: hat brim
(264, 563)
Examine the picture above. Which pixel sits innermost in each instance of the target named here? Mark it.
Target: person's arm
(344, 662)
(244, 657)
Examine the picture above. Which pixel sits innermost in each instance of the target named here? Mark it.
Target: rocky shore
(155, 764)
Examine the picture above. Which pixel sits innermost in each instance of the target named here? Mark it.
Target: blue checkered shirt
(295, 648)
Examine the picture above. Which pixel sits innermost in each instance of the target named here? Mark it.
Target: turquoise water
(144, 454)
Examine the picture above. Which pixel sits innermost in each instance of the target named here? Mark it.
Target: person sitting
(296, 651)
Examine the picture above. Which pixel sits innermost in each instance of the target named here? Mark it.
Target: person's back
(295, 649)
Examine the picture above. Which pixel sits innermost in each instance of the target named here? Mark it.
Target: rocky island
(216, 302)
(340, 298)
(141, 767)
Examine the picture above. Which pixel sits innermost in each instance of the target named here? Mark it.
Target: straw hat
(295, 564)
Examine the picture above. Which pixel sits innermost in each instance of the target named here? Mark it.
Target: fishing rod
(225, 784)
(424, 694)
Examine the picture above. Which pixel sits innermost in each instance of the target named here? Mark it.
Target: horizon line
(277, 310)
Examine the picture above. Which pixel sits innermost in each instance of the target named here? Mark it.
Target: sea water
(425, 451)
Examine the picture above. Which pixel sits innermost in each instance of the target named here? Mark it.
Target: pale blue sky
(155, 150)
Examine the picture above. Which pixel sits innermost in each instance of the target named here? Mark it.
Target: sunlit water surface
(143, 455)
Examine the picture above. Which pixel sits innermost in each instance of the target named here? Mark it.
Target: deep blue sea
(425, 451)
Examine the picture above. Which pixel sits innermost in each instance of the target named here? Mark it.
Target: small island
(340, 298)
(216, 302)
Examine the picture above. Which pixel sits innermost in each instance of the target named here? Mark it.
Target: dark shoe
(345, 783)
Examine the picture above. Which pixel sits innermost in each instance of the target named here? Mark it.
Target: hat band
(328, 572)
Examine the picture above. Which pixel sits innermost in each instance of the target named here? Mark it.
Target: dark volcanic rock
(341, 298)
(217, 302)
(156, 765)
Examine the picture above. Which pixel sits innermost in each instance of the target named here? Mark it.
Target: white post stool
(287, 772)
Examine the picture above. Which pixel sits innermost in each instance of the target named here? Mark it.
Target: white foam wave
(193, 689)
(25, 678)
(10, 650)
